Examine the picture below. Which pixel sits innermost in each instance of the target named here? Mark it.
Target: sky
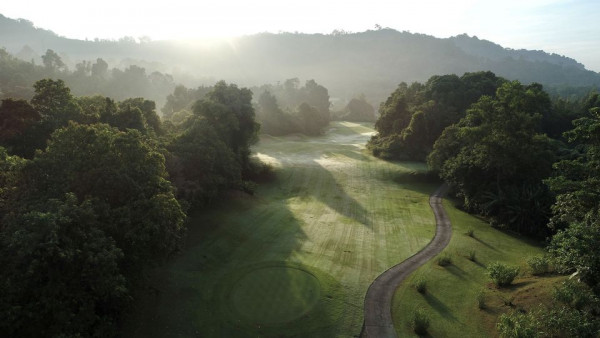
(565, 27)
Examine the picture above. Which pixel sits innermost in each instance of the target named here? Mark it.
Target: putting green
(275, 295)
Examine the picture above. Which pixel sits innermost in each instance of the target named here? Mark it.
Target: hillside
(371, 62)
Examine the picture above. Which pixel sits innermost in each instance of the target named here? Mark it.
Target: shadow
(478, 263)
(440, 307)
(456, 271)
(333, 194)
(484, 243)
(199, 292)
(515, 286)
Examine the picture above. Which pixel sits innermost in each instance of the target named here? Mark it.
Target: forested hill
(371, 62)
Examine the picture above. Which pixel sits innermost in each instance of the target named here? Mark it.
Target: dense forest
(94, 191)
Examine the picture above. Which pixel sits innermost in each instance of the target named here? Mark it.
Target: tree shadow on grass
(484, 243)
(456, 271)
(333, 194)
(440, 307)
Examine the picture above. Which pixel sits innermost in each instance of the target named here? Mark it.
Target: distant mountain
(372, 62)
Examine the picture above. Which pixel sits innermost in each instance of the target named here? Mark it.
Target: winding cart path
(378, 301)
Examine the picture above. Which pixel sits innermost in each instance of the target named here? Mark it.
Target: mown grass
(332, 210)
(460, 298)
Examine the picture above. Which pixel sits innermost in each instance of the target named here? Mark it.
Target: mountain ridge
(372, 62)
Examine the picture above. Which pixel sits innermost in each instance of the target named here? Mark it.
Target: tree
(414, 117)
(55, 103)
(17, 121)
(576, 212)
(310, 119)
(52, 62)
(229, 110)
(124, 176)
(496, 160)
(358, 109)
(272, 119)
(60, 273)
(201, 164)
(99, 68)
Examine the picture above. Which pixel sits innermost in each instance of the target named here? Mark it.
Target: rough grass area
(295, 259)
(455, 292)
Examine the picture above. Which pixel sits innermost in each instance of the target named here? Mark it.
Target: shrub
(548, 322)
(481, 299)
(517, 325)
(471, 256)
(471, 233)
(538, 265)
(444, 260)
(420, 321)
(576, 295)
(502, 274)
(420, 285)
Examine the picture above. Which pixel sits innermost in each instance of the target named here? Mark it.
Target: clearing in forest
(296, 258)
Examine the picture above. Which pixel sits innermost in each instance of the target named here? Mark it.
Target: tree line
(95, 191)
(281, 109)
(87, 78)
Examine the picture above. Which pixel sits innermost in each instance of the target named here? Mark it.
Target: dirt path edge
(378, 300)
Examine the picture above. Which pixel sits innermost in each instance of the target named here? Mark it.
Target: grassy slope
(333, 211)
(451, 297)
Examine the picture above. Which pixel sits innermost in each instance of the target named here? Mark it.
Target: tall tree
(496, 159)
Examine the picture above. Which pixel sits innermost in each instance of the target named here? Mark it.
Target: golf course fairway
(297, 257)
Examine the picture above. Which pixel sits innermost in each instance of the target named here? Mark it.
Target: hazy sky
(566, 27)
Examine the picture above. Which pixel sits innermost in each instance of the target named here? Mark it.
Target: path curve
(378, 301)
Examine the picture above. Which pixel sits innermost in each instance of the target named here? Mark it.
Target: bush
(548, 322)
(502, 274)
(538, 265)
(576, 295)
(420, 322)
(481, 300)
(517, 325)
(444, 260)
(471, 233)
(471, 256)
(420, 285)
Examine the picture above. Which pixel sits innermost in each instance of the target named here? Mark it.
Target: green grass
(454, 292)
(333, 213)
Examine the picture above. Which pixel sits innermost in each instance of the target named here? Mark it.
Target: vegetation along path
(378, 301)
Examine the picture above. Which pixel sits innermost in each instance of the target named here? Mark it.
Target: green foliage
(303, 109)
(538, 265)
(211, 152)
(576, 295)
(358, 110)
(125, 177)
(496, 160)
(481, 300)
(472, 255)
(60, 273)
(577, 208)
(518, 325)
(444, 259)
(554, 322)
(414, 116)
(502, 274)
(576, 249)
(471, 233)
(420, 321)
(420, 285)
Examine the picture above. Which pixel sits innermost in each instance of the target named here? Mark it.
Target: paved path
(378, 301)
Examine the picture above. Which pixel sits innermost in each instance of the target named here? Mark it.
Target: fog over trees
(107, 148)
(347, 64)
